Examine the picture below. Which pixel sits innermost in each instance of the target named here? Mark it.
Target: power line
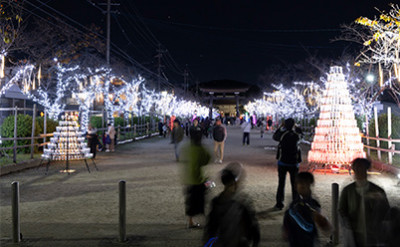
(117, 49)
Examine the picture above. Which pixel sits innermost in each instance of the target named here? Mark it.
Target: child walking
(304, 215)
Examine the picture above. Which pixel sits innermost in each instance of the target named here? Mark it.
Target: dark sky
(224, 39)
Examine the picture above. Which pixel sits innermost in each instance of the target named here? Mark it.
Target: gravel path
(81, 209)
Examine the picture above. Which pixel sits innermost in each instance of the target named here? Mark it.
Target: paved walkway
(81, 209)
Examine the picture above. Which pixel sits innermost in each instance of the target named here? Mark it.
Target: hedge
(24, 129)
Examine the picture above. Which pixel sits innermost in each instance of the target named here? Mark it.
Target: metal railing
(124, 134)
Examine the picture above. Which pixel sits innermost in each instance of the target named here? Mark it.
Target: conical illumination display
(337, 139)
(67, 142)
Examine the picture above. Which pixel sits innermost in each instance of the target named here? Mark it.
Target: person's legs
(176, 151)
(248, 138)
(112, 145)
(293, 173)
(221, 146)
(244, 138)
(216, 150)
(280, 194)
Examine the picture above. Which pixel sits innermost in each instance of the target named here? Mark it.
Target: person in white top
(246, 126)
(111, 135)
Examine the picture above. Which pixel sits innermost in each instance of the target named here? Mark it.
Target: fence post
(147, 128)
(15, 135)
(335, 217)
(15, 212)
(377, 132)
(390, 154)
(45, 125)
(33, 129)
(134, 131)
(122, 211)
(367, 132)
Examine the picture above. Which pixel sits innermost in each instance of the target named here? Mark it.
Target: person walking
(219, 135)
(177, 136)
(362, 208)
(111, 135)
(195, 157)
(93, 140)
(262, 127)
(289, 158)
(160, 128)
(304, 215)
(232, 220)
(246, 126)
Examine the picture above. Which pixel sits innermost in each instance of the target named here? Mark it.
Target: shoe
(194, 226)
(107, 151)
(216, 161)
(219, 161)
(279, 206)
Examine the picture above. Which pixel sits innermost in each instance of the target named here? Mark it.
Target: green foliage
(96, 122)
(383, 130)
(50, 125)
(24, 129)
(360, 122)
(119, 121)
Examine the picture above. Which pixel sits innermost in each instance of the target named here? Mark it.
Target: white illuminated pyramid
(337, 139)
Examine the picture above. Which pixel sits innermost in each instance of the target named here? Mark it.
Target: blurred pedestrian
(232, 220)
(304, 214)
(111, 136)
(160, 128)
(219, 135)
(289, 158)
(246, 126)
(195, 157)
(177, 136)
(362, 207)
(195, 130)
(93, 140)
(262, 127)
(269, 123)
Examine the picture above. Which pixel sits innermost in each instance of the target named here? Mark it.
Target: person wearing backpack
(289, 158)
(304, 215)
(232, 220)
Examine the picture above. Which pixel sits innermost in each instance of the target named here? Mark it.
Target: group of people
(366, 216)
(108, 140)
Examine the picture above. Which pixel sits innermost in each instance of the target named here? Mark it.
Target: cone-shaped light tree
(337, 139)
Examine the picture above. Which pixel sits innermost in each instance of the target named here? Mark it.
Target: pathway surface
(81, 209)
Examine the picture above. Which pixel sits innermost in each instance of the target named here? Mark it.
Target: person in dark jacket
(219, 135)
(160, 128)
(93, 140)
(232, 220)
(362, 208)
(177, 135)
(289, 158)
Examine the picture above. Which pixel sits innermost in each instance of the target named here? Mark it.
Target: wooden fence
(124, 134)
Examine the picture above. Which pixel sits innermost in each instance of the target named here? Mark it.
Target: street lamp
(370, 78)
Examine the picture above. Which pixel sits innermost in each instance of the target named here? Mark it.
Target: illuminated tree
(380, 38)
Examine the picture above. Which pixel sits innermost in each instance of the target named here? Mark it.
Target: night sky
(224, 39)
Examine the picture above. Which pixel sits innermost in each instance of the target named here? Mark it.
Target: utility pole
(108, 12)
(108, 31)
(185, 80)
(159, 65)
